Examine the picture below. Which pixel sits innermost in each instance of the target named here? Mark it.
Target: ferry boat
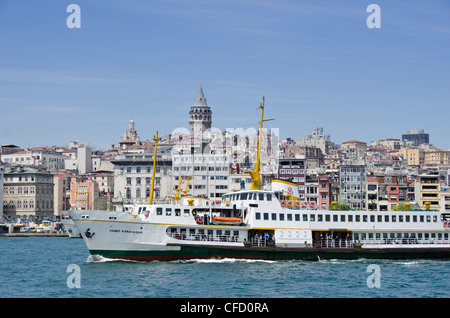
(260, 224)
(70, 228)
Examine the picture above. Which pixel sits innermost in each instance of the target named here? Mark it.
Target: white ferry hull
(119, 235)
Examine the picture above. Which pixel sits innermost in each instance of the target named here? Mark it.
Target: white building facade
(1, 189)
(41, 157)
(133, 178)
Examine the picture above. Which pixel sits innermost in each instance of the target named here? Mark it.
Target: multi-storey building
(412, 157)
(416, 137)
(385, 191)
(445, 198)
(293, 170)
(133, 177)
(209, 174)
(316, 140)
(1, 189)
(434, 156)
(390, 144)
(428, 189)
(80, 159)
(311, 186)
(62, 181)
(324, 197)
(84, 194)
(37, 156)
(353, 184)
(28, 192)
(373, 201)
(354, 144)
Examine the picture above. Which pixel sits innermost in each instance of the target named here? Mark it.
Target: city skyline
(317, 64)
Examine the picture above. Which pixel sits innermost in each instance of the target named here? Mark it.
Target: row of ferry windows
(345, 218)
(168, 211)
(405, 235)
(204, 231)
(248, 196)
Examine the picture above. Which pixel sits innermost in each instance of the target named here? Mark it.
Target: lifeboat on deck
(226, 221)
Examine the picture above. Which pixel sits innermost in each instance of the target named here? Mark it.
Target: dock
(34, 234)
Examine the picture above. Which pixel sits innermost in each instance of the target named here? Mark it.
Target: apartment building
(28, 192)
(412, 157)
(2, 169)
(209, 174)
(133, 177)
(293, 170)
(316, 140)
(353, 184)
(37, 156)
(324, 188)
(385, 191)
(445, 198)
(427, 189)
(436, 156)
(84, 194)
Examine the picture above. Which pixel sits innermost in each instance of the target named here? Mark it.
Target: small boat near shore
(70, 227)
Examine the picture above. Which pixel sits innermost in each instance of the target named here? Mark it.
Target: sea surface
(61, 267)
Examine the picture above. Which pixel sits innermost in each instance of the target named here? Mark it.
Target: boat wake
(101, 259)
(223, 261)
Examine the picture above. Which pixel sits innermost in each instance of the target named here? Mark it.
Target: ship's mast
(256, 178)
(150, 200)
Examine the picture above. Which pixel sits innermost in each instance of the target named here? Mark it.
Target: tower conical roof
(200, 100)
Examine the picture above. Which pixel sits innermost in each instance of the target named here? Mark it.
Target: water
(37, 267)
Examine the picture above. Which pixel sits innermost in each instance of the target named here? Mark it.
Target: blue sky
(316, 62)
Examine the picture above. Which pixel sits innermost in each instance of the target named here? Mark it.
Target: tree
(399, 207)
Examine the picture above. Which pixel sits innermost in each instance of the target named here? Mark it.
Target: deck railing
(387, 242)
(207, 237)
(335, 243)
(404, 241)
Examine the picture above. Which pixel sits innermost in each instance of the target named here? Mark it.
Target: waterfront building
(28, 192)
(324, 196)
(105, 180)
(85, 194)
(311, 186)
(373, 200)
(1, 189)
(353, 184)
(445, 198)
(293, 170)
(428, 189)
(133, 176)
(62, 181)
(209, 174)
(386, 190)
